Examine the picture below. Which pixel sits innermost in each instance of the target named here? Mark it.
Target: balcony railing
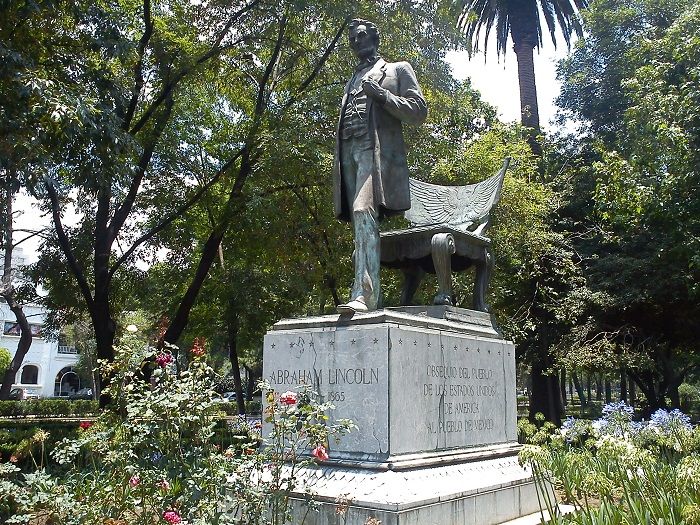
(67, 349)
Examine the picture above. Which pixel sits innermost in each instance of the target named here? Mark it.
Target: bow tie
(366, 63)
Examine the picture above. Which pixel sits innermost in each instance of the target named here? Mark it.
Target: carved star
(273, 345)
(291, 345)
(489, 350)
(311, 344)
(400, 341)
(331, 342)
(428, 344)
(376, 340)
(478, 349)
(415, 343)
(352, 342)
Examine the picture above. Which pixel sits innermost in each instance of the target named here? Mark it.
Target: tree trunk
(529, 109)
(8, 293)
(588, 386)
(546, 395)
(598, 388)
(25, 342)
(233, 326)
(579, 389)
(608, 391)
(632, 393)
(623, 385)
(562, 385)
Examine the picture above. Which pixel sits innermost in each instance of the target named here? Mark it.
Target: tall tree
(632, 82)
(520, 20)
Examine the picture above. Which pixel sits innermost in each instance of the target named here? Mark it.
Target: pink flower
(135, 480)
(164, 485)
(164, 359)
(289, 398)
(320, 453)
(84, 425)
(171, 516)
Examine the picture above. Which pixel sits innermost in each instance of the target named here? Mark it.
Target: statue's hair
(372, 29)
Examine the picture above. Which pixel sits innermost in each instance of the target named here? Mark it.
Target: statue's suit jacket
(405, 103)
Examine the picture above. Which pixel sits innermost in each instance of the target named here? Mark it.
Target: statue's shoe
(356, 305)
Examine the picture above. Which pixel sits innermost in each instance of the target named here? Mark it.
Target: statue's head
(364, 38)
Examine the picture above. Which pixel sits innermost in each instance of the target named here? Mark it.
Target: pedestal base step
(485, 492)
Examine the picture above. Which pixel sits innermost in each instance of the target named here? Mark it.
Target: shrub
(159, 453)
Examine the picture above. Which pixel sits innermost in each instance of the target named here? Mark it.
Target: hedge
(48, 408)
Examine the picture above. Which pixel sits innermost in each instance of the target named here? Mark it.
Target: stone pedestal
(432, 390)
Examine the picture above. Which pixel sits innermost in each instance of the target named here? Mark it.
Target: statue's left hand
(374, 90)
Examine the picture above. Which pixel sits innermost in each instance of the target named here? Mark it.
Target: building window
(12, 328)
(67, 382)
(30, 375)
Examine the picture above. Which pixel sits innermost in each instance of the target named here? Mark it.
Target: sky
(496, 78)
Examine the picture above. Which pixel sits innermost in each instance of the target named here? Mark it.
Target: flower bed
(618, 471)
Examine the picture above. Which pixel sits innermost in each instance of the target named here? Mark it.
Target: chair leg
(443, 246)
(482, 279)
(412, 276)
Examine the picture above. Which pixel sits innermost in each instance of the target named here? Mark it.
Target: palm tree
(521, 20)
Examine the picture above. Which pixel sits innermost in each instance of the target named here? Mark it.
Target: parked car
(226, 397)
(83, 393)
(19, 393)
(16, 394)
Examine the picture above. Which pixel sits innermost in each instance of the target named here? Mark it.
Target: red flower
(135, 480)
(320, 453)
(198, 348)
(164, 359)
(84, 425)
(288, 398)
(171, 516)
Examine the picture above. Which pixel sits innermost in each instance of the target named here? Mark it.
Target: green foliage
(27, 443)
(5, 358)
(632, 82)
(160, 451)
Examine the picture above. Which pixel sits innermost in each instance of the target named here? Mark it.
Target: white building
(47, 369)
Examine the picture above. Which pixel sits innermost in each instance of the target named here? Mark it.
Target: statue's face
(362, 42)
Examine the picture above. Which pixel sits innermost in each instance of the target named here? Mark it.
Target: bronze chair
(446, 234)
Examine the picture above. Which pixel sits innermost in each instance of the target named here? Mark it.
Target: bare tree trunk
(546, 395)
(608, 391)
(588, 386)
(632, 393)
(579, 389)
(233, 327)
(529, 109)
(8, 293)
(562, 386)
(623, 385)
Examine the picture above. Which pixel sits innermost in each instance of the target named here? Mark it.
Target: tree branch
(319, 65)
(175, 214)
(213, 51)
(121, 214)
(64, 243)
(138, 67)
